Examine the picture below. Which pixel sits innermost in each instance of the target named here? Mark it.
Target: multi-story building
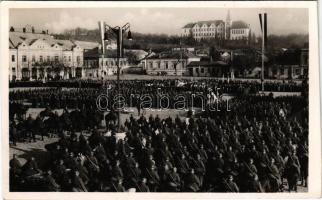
(239, 30)
(217, 29)
(97, 65)
(214, 29)
(38, 55)
(169, 63)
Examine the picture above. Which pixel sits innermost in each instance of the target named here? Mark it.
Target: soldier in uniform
(13, 133)
(183, 165)
(153, 178)
(29, 128)
(230, 185)
(117, 172)
(77, 183)
(174, 180)
(118, 187)
(274, 176)
(15, 165)
(142, 186)
(199, 168)
(192, 182)
(51, 183)
(134, 175)
(292, 171)
(254, 185)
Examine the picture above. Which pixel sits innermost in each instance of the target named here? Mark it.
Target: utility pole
(118, 33)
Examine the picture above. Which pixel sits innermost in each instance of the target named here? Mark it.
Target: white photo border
(314, 179)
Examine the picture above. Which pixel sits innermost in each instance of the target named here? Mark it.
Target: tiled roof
(200, 23)
(209, 22)
(239, 24)
(66, 44)
(190, 25)
(16, 38)
(139, 53)
(86, 45)
(173, 55)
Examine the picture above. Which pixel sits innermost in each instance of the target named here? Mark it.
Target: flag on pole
(101, 26)
(263, 24)
(265, 31)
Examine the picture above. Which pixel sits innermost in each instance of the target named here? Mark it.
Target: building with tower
(217, 29)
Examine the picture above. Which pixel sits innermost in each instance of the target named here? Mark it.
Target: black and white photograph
(160, 99)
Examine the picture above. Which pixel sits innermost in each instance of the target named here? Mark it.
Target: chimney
(32, 29)
(24, 30)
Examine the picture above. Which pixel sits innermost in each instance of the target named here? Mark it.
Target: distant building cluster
(37, 55)
(246, 63)
(217, 29)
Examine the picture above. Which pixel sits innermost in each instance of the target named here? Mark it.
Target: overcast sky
(158, 20)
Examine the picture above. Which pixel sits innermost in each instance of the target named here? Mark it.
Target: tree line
(161, 42)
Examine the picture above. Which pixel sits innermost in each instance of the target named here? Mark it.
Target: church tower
(227, 26)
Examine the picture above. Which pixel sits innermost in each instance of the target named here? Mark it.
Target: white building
(239, 30)
(214, 29)
(168, 63)
(36, 56)
(217, 29)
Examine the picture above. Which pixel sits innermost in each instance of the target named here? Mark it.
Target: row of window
(206, 29)
(114, 63)
(238, 31)
(207, 70)
(204, 34)
(239, 38)
(42, 59)
(282, 71)
(167, 64)
(202, 70)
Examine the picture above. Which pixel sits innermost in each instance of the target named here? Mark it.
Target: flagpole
(263, 51)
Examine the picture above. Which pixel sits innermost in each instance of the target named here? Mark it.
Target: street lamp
(118, 33)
